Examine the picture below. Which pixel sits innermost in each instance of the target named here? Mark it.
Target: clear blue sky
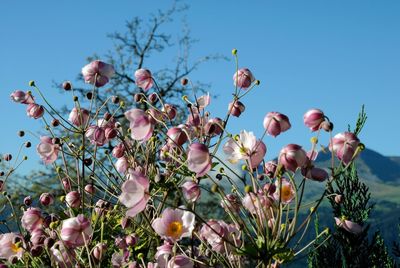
(333, 55)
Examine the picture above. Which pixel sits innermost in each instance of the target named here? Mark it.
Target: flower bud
(118, 150)
(170, 110)
(46, 199)
(275, 123)
(32, 219)
(138, 97)
(143, 79)
(67, 184)
(28, 201)
(36, 251)
(89, 188)
(327, 126)
(338, 199)
(111, 133)
(236, 108)
(153, 98)
(270, 168)
(292, 156)
(344, 145)
(115, 99)
(99, 251)
(49, 242)
(79, 117)
(243, 78)
(7, 157)
(67, 85)
(131, 240)
(177, 136)
(191, 191)
(214, 126)
(120, 243)
(73, 199)
(35, 110)
(313, 119)
(184, 81)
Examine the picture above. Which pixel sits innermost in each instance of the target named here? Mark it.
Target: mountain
(374, 166)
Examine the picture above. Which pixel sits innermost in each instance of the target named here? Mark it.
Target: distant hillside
(373, 166)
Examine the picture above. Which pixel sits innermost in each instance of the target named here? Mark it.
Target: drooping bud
(35, 110)
(236, 108)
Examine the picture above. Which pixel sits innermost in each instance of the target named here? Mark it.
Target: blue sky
(332, 55)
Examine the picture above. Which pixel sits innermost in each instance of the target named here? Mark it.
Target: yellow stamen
(174, 229)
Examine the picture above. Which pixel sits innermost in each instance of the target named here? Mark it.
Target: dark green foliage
(343, 248)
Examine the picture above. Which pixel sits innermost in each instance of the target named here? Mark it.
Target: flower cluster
(134, 182)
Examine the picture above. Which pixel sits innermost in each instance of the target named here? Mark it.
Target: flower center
(15, 248)
(175, 229)
(286, 193)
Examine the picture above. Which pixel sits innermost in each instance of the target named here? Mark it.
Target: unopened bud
(21, 133)
(89, 95)
(55, 123)
(115, 99)
(153, 98)
(184, 81)
(67, 85)
(234, 51)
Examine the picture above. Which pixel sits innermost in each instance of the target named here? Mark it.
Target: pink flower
(63, 256)
(98, 70)
(34, 110)
(121, 165)
(258, 204)
(236, 108)
(245, 147)
(344, 145)
(99, 251)
(96, 135)
(79, 117)
(285, 191)
(313, 119)
(275, 123)
(46, 199)
(163, 253)
(135, 193)
(314, 173)
(9, 247)
(22, 97)
(231, 202)
(191, 191)
(118, 150)
(180, 261)
(270, 168)
(203, 101)
(199, 159)
(214, 126)
(292, 156)
(73, 199)
(143, 79)
(47, 150)
(140, 124)
(32, 219)
(38, 236)
(75, 231)
(216, 233)
(177, 136)
(170, 110)
(174, 224)
(243, 78)
(349, 226)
